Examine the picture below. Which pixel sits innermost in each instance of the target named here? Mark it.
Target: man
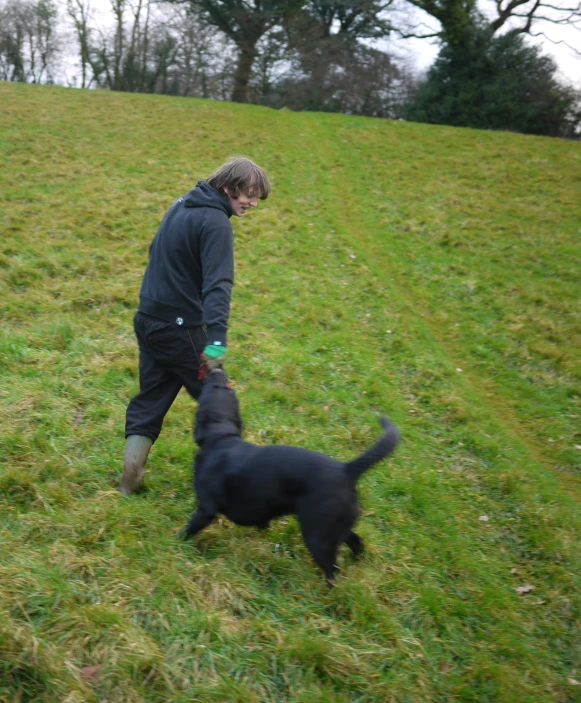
(184, 302)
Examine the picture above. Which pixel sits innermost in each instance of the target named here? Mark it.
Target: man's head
(242, 182)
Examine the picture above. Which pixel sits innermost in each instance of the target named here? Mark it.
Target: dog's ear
(239, 423)
(200, 428)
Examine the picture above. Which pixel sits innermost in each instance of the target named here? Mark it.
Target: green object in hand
(214, 351)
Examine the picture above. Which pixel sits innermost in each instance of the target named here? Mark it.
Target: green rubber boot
(136, 450)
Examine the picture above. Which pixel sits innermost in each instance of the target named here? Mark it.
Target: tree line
(324, 55)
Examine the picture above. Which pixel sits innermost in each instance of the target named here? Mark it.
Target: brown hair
(240, 175)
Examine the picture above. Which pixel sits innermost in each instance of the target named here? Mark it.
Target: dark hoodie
(190, 274)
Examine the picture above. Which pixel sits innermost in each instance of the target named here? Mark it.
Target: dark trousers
(169, 358)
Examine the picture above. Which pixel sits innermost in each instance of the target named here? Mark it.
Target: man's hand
(212, 358)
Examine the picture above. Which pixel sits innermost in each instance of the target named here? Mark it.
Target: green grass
(426, 272)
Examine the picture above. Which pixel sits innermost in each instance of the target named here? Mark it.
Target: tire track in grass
(370, 244)
(502, 445)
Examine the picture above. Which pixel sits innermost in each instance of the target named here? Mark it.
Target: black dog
(251, 484)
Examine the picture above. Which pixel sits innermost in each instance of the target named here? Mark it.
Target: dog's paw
(184, 533)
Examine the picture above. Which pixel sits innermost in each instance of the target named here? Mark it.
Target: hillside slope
(428, 273)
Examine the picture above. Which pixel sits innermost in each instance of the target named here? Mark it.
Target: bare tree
(120, 57)
(345, 76)
(518, 16)
(79, 12)
(245, 22)
(327, 38)
(42, 41)
(203, 62)
(28, 40)
(12, 32)
(273, 54)
(321, 19)
(154, 48)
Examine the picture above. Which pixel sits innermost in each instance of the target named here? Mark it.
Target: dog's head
(218, 412)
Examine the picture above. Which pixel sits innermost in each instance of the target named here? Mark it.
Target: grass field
(425, 272)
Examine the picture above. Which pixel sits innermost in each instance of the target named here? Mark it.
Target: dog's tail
(380, 450)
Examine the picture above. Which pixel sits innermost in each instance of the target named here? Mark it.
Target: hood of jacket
(203, 195)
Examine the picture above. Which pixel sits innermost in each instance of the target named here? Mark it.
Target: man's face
(242, 203)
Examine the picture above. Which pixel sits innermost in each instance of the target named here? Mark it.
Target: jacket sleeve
(217, 258)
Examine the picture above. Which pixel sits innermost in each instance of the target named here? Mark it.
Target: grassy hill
(429, 273)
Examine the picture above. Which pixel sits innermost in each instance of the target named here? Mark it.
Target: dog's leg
(325, 556)
(198, 521)
(355, 543)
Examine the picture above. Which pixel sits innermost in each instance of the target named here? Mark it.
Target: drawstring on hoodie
(194, 346)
